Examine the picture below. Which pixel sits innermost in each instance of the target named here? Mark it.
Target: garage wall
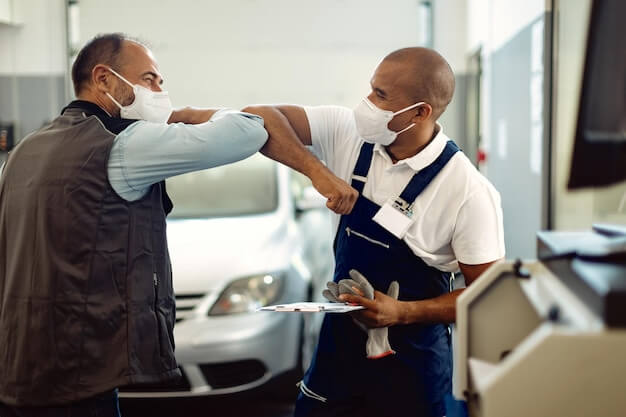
(32, 64)
(236, 52)
(449, 39)
(514, 111)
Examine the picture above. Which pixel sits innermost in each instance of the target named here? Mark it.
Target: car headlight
(248, 294)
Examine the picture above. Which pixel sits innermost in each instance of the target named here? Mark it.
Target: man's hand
(340, 196)
(382, 311)
(377, 345)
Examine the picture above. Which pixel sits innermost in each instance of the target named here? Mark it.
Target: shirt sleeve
(146, 153)
(332, 129)
(479, 233)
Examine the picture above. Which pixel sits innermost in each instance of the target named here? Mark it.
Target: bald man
(423, 212)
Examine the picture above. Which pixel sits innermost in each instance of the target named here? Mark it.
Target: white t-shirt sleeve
(479, 234)
(332, 133)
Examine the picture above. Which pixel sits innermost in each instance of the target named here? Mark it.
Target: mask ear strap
(120, 77)
(114, 100)
(409, 108)
(406, 128)
(123, 79)
(405, 109)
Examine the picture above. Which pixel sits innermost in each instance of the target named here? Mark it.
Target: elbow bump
(252, 144)
(260, 137)
(255, 109)
(253, 139)
(250, 120)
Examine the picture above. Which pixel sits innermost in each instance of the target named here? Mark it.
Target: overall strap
(421, 179)
(362, 167)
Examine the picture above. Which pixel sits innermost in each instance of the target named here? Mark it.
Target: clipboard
(310, 307)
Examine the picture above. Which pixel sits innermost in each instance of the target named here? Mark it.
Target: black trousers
(103, 405)
(391, 391)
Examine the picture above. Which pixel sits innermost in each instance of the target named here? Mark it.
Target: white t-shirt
(458, 216)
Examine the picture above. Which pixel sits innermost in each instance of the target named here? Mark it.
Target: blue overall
(341, 381)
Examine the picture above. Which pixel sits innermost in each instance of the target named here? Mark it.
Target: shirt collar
(113, 124)
(424, 157)
(88, 108)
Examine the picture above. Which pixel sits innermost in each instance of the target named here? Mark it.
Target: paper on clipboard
(309, 307)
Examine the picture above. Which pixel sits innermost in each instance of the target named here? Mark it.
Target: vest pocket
(351, 232)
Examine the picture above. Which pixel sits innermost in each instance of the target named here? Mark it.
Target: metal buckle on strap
(401, 205)
(359, 178)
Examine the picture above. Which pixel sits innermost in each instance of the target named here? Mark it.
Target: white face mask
(371, 122)
(152, 106)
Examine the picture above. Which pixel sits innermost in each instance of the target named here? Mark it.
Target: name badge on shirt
(395, 216)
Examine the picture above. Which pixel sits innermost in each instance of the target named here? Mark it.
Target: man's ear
(101, 78)
(422, 113)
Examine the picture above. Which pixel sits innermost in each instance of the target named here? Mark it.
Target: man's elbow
(258, 134)
(255, 134)
(258, 138)
(252, 130)
(258, 109)
(269, 114)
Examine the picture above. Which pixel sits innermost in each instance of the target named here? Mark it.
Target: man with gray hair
(86, 299)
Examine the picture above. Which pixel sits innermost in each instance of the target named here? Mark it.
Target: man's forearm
(443, 308)
(283, 144)
(147, 153)
(385, 311)
(440, 309)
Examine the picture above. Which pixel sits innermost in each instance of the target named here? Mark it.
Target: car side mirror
(310, 199)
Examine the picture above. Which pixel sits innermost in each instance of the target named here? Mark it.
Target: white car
(243, 236)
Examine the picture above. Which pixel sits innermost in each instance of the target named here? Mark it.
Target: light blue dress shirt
(146, 153)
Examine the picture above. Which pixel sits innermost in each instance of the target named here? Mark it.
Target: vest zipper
(155, 279)
(369, 239)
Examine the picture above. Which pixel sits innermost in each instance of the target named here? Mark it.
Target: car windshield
(242, 188)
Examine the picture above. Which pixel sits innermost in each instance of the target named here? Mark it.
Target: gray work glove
(377, 345)
(332, 292)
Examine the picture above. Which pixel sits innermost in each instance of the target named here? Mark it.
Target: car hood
(207, 254)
